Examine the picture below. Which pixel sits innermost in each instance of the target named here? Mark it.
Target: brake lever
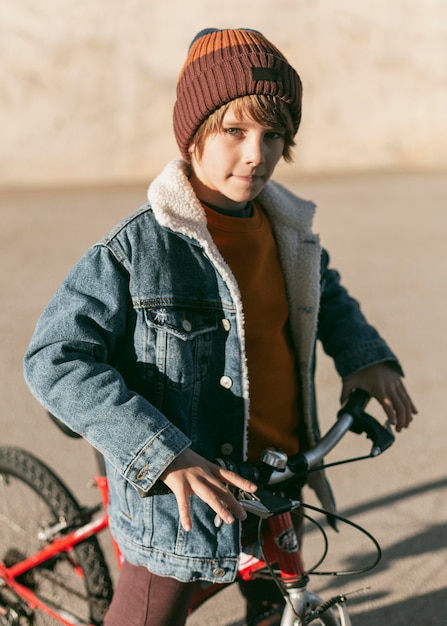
(263, 507)
(381, 436)
(251, 504)
(264, 504)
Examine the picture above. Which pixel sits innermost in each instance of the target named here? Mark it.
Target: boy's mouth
(249, 178)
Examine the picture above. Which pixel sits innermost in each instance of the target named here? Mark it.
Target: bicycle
(53, 570)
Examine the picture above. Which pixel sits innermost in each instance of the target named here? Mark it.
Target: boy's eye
(274, 134)
(232, 131)
(270, 135)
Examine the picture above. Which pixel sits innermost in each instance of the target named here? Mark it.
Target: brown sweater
(248, 247)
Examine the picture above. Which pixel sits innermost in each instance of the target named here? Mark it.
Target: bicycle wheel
(75, 584)
(305, 602)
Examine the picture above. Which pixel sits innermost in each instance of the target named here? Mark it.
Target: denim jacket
(141, 351)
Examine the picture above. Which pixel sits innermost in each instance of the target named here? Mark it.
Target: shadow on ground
(415, 608)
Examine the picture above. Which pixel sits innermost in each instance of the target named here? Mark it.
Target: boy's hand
(382, 382)
(191, 474)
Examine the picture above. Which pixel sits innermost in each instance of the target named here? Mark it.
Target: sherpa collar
(176, 206)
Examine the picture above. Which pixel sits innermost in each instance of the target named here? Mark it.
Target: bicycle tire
(77, 585)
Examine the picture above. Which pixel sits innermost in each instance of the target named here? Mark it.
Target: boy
(149, 347)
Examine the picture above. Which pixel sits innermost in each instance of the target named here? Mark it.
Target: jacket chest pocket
(179, 343)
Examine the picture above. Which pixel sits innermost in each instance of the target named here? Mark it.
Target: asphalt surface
(387, 236)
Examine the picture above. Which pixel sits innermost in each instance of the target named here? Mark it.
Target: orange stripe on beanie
(223, 65)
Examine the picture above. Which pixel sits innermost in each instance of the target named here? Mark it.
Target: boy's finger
(231, 478)
(233, 507)
(221, 500)
(389, 410)
(184, 512)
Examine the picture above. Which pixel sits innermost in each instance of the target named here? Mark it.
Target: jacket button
(226, 382)
(219, 572)
(143, 472)
(226, 448)
(187, 325)
(226, 324)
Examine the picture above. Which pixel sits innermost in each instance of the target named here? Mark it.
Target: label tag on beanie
(265, 73)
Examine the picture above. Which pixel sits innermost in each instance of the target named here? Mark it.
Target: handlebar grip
(381, 436)
(356, 404)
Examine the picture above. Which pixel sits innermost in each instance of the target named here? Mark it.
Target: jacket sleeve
(345, 333)
(68, 369)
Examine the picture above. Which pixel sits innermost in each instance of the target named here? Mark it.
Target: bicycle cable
(325, 548)
(354, 459)
(325, 539)
(313, 571)
(356, 527)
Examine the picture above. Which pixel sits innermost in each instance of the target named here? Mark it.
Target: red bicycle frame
(279, 543)
(57, 546)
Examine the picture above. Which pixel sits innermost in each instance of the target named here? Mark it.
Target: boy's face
(236, 161)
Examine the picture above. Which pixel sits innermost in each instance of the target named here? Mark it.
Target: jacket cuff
(363, 355)
(155, 457)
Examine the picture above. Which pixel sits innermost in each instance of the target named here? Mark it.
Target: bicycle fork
(302, 606)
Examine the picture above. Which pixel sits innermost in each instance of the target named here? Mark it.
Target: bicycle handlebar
(351, 417)
(346, 417)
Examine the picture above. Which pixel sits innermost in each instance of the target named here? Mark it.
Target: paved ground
(387, 236)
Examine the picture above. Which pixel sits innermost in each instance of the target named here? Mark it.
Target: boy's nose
(254, 151)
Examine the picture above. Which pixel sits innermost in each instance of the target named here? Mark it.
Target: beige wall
(88, 85)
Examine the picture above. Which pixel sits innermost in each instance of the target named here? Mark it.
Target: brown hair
(266, 110)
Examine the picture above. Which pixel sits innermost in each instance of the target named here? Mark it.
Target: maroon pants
(144, 599)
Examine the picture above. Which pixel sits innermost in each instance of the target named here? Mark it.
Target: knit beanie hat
(223, 65)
